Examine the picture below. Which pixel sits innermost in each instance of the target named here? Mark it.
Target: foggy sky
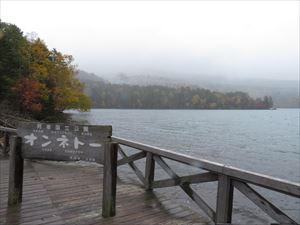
(247, 39)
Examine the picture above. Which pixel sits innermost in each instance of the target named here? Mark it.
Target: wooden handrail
(228, 178)
(9, 130)
(280, 185)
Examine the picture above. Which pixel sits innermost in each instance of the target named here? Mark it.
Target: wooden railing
(228, 179)
(6, 131)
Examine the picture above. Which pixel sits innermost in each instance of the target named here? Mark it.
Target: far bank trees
(107, 95)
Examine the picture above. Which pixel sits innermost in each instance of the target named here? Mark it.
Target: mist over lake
(263, 141)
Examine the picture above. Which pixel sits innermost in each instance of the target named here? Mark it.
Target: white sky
(225, 38)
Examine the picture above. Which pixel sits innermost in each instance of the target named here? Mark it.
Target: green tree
(12, 57)
(41, 81)
(57, 74)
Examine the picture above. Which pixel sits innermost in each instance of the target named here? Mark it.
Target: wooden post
(110, 179)
(16, 165)
(224, 200)
(6, 143)
(149, 171)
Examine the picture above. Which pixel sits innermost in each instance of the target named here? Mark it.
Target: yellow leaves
(38, 72)
(39, 51)
(42, 81)
(1, 35)
(61, 90)
(238, 100)
(196, 99)
(213, 105)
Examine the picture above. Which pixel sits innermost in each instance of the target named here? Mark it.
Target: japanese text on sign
(64, 142)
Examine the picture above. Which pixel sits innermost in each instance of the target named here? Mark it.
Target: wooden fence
(228, 178)
(6, 132)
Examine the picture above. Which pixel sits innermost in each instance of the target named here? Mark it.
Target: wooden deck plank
(36, 205)
(70, 193)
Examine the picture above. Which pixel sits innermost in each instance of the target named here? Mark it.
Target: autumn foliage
(40, 81)
(30, 95)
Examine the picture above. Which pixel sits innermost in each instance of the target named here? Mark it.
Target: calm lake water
(264, 141)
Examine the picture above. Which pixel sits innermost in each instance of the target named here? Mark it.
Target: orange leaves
(40, 81)
(30, 93)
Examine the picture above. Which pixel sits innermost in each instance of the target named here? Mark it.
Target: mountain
(285, 93)
(90, 81)
(86, 77)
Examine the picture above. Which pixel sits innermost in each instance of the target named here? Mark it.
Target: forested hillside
(285, 93)
(34, 79)
(107, 95)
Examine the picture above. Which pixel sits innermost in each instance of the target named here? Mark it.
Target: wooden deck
(69, 193)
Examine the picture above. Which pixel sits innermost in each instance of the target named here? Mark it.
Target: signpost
(64, 142)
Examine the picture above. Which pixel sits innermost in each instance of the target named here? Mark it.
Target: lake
(264, 141)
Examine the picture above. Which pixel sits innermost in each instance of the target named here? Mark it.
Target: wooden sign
(63, 142)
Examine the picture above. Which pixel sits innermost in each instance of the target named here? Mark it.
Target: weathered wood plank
(276, 184)
(149, 171)
(165, 167)
(34, 206)
(9, 130)
(135, 169)
(110, 180)
(270, 209)
(6, 143)
(190, 179)
(200, 202)
(224, 200)
(131, 158)
(187, 189)
(16, 167)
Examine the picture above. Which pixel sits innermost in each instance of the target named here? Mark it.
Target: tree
(196, 100)
(268, 102)
(31, 94)
(106, 95)
(41, 81)
(12, 60)
(57, 74)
